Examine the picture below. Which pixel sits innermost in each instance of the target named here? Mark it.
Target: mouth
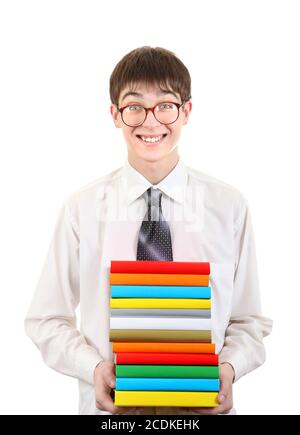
(151, 139)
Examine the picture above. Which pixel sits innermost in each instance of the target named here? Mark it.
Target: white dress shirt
(209, 221)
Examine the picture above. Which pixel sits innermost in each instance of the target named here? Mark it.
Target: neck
(154, 171)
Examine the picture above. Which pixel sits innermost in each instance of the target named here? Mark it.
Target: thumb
(224, 391)
(111, 381)
(109, 376)
(221, 396)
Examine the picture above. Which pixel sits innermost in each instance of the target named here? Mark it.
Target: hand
(225, 398)
(104, 381)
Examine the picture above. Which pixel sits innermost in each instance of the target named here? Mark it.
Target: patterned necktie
(154, 241)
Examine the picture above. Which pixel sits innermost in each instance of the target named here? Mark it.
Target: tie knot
(154, 197)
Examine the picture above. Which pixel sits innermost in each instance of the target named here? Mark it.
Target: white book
(160, 323)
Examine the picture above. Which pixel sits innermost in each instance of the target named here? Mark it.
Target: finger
(106, 404)
(222, 396)
(225, 407)
(225, 383)
(105, 398)
(107, 380)
(203, 411)
(110, 381)
(225, 391)
(109, 377)
(125, 410)
(227, 411)
(183, 409)
(207, 411)
(104, 390)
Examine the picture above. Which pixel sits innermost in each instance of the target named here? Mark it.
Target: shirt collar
(173, 185)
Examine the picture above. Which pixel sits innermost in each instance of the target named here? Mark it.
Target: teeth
(151, 139)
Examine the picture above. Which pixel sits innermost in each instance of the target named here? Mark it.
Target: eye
(133, 108)
(166, 106)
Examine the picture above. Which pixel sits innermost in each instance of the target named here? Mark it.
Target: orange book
(158, 279)
(163, 347)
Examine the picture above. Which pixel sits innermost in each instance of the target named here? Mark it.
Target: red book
(167, 358)
(176, 267)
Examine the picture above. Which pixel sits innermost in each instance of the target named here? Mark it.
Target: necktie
(154, 240)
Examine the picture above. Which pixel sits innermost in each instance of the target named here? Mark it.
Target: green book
(166, 371)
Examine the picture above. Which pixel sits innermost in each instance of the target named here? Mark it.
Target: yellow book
(166, 398)
(159, 303)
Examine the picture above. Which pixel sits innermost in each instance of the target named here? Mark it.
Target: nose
(150, 118)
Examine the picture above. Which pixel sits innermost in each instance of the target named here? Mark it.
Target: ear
(187, 108)
(116, 116)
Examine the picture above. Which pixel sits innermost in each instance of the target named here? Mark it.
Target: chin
(153, 155)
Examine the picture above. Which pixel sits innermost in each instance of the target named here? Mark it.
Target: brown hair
(152, 66)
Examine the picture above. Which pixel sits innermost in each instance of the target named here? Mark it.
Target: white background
(57, 135)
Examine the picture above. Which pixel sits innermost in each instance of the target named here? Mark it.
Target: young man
(199, 219)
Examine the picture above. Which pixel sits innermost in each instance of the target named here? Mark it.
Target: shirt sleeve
(51, 319)
(243, 346)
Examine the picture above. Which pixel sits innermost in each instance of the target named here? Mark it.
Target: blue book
(160, 291)
(167, 384)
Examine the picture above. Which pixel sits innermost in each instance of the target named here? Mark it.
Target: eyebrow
(139, 95)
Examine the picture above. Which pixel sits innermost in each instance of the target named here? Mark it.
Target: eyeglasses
(165, 112)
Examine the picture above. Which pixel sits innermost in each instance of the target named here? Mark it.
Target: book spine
(161, 323)
(156, 312)
(196, 267)
(166, 398)
(162, 291)
(158, 279)
(167, 358)
(160, 303)
(163, 347)
(166, 371)
(153, 335)
(165, 384)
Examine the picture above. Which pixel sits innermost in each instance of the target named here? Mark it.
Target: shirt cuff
(86, 363)
(237, 360)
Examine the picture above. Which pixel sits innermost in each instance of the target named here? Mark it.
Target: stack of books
(160, 329)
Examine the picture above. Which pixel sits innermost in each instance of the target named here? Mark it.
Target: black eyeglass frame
(178, 105)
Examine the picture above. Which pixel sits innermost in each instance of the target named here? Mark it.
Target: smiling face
(151, 141)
